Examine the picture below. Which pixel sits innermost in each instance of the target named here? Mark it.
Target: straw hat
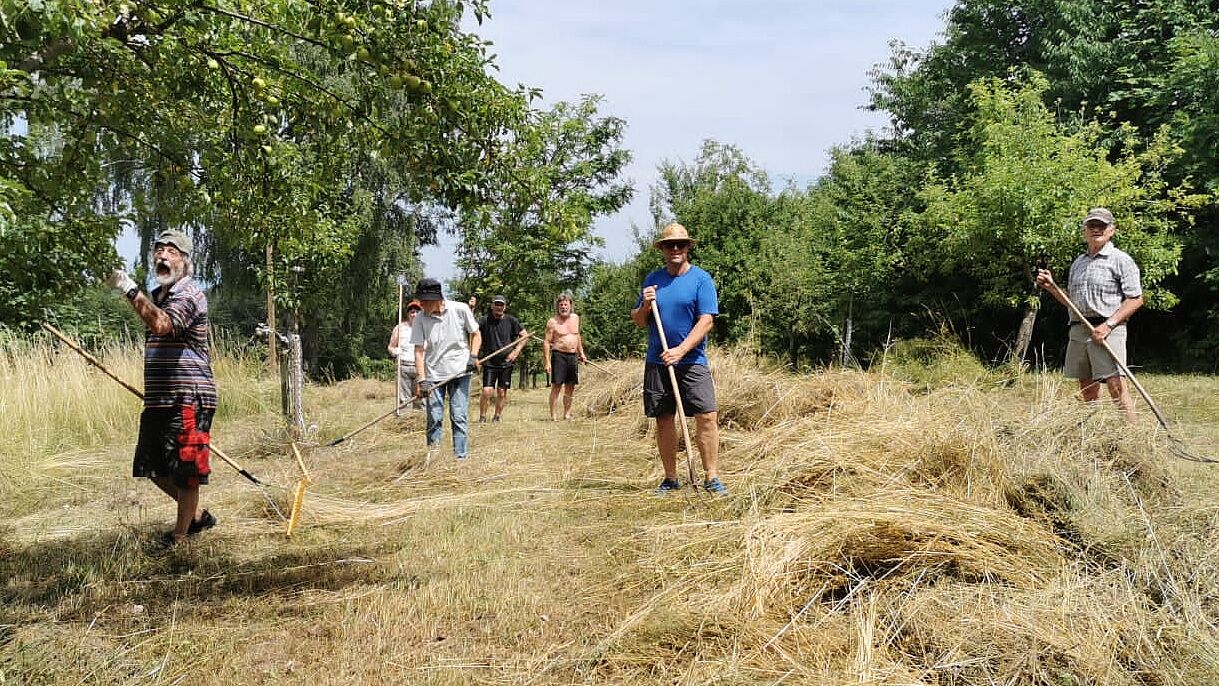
(673, 232)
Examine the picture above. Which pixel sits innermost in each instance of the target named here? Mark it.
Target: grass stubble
(881, 530)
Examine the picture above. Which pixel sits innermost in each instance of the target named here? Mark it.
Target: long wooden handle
(594, 364)
(405, 401)
(91, 359)
(138, 393)
(681, 411)
(1120, 365)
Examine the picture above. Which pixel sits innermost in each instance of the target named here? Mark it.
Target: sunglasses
(675, 245)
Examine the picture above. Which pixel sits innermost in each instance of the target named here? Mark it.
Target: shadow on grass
(78, 578)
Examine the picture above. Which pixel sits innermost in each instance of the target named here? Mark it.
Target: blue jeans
(458, 393)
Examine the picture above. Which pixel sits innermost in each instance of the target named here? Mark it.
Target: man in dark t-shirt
(499, 329)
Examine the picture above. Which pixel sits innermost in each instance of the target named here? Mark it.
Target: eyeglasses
(675, 245)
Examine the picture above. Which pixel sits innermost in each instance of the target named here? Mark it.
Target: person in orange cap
(401, 348)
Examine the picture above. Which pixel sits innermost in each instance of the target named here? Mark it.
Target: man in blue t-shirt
(686, 299)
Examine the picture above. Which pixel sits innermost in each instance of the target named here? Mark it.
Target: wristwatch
(135, 290)
(1111, 324)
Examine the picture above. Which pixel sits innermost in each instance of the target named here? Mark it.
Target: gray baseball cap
(1099, 214)
(177, 239)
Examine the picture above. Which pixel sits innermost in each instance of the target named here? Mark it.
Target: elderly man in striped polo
(1104, 284)
(179, 389)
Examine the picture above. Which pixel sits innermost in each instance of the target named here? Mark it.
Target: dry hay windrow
(934, 535)
(878, 533)
(751, 392)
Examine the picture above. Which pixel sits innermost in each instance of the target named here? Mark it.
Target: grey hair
(565, 295)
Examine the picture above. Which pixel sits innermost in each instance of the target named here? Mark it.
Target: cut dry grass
(881, 531)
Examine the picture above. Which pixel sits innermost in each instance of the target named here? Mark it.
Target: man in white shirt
(443, 336)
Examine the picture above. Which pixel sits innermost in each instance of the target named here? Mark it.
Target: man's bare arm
(157, 321)
(550, 332)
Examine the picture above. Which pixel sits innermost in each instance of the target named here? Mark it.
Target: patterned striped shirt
(1098, 284)
(177, 368)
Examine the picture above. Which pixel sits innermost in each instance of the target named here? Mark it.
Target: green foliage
(937, 362)
(531, 237)
(1135, 77)
(612, 292)
(243, 123)
(1024, 186)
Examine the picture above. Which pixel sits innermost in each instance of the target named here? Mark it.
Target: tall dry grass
(58, 413)
(920, 528)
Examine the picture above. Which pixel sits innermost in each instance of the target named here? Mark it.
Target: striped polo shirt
(1098, 284)
(177, 368)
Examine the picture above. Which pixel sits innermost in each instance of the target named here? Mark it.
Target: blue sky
(783, 80)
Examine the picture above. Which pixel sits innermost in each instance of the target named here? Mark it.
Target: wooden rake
(140, 394)
(600, 368)
(1176, 445)
(433, 385)
(681, 411)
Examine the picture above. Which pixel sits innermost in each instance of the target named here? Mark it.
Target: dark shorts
(564, 368)
(497, 376)
(694, 380)
(174, 442)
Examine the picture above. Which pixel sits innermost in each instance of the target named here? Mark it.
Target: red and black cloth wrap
(174, 442)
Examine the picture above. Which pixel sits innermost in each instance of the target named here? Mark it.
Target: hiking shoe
(715, 487)
(668, 486)
(207, 521)
(482, 420)
(495, 419)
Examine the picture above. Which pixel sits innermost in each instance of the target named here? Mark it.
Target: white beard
(170, 277)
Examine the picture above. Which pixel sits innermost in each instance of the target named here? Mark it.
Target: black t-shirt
(496, 334)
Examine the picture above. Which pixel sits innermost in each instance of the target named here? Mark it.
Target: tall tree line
(1001, 136)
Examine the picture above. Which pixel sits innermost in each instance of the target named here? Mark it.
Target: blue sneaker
(715, 487)
(668, 486)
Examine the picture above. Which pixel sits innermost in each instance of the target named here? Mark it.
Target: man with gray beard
(179, 389)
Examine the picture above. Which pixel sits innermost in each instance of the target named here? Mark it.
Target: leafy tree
(1021, 194)
(242, 122)
(1147, 65)
(532, 235)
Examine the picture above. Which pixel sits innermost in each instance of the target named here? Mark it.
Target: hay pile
(888, 532)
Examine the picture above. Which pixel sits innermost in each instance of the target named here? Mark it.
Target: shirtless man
(563, 351)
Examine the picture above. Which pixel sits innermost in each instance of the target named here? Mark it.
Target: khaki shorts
(1088, 360)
